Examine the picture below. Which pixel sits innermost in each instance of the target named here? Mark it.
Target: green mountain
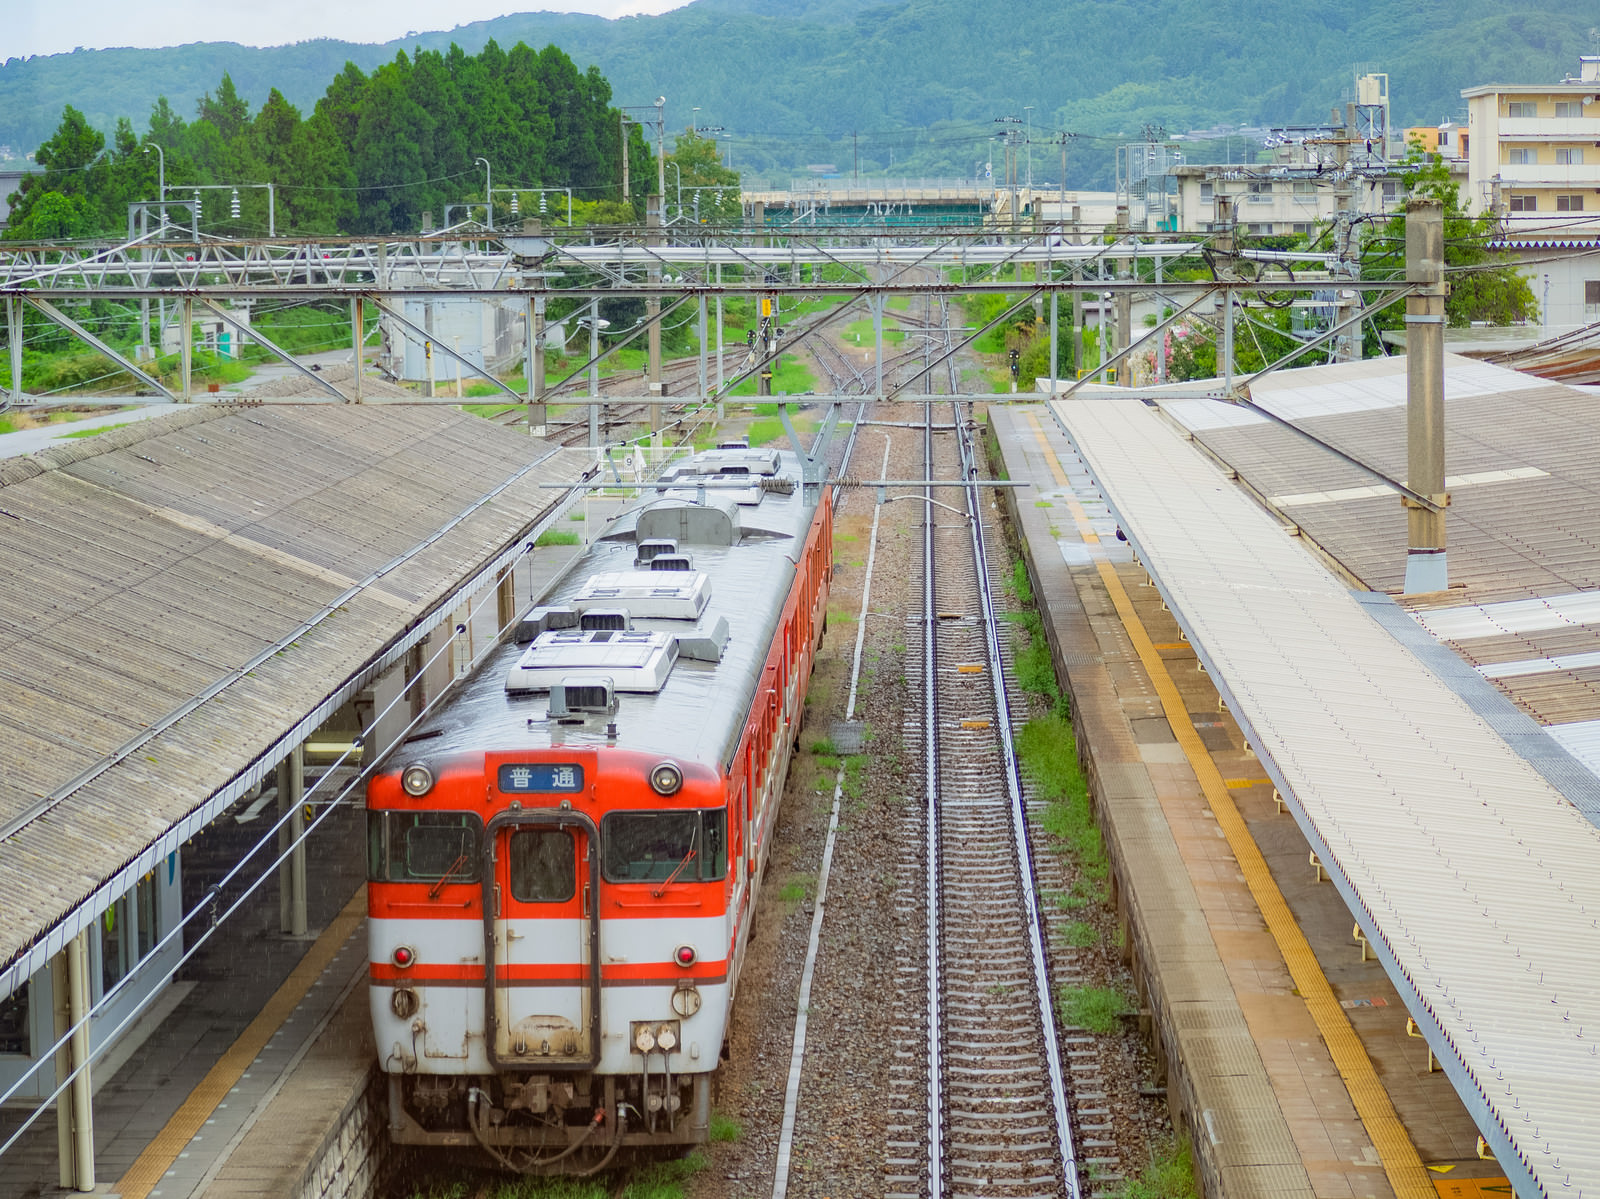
(910, 85)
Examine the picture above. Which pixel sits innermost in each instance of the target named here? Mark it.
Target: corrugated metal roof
(1476, 881)
(1527, 526)
(267, 555)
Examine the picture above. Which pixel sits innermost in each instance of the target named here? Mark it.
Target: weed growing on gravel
(1050, 756)
(1078, 934)
(855, 772)
(1092, 1008)
(1021, 587)
(664, 1180)
(823, 746)
(556, 537)
(1170, 1175)
(528, 1188)
(795, 889)
(725, 1129)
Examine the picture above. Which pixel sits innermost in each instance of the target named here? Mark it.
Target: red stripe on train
(426, 972)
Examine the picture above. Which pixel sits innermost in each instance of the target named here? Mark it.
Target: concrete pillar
(358, 324)
(187, 343)
(1425, 558)
(292, 869)
(427, 344)
(14, 328)
(1224, 245)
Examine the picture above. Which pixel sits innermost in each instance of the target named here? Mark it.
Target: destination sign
(520, 778)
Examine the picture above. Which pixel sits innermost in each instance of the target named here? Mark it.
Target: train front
(549, 942)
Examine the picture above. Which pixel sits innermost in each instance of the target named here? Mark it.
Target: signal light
(404, 956)
(685, 955)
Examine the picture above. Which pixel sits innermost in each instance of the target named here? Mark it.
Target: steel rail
(930, 745)
(1019, 821)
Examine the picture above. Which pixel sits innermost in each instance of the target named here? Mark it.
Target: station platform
(1286, 1047)
(253, 1072)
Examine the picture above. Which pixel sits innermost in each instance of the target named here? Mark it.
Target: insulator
(516, 207)
(233, 207)
(543, 207)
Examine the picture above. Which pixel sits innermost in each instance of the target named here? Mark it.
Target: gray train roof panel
(1477, 882)
(697, 714)
(142, 567)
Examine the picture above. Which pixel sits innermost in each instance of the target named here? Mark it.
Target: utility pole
(622, 119)
(855, 146)
(1224, 245)
(1124, 303)
(652, 314)
(661, 145)
(1344, 345)
(1426, 569)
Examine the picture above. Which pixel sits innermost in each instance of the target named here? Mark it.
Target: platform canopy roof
(183, 600)
(1474, 877)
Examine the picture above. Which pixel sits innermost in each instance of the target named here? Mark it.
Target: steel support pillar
(1426, 569)
(69, 972)
(875, 303)
(701, 377)
(535, 364)
(719, 342)
(14, 331)
(187, 342)
(652, 312)
(292, 861)
(594, 374)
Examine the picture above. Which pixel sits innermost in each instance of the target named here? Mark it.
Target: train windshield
(654, 846)
(415, 847)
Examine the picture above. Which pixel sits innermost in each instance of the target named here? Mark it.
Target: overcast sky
(46, 27)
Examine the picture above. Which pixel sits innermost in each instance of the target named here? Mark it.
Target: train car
(564, 860)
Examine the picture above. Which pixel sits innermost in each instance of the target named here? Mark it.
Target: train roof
(682, 673)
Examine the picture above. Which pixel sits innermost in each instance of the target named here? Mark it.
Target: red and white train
(564, 860)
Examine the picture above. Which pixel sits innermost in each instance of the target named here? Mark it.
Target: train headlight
(416, 781)
(685, 956)
(404, 956)
(666, 779)
(644, 1040)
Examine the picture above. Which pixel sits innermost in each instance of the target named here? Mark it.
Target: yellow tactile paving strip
(188, 1120)
(1401, 1164)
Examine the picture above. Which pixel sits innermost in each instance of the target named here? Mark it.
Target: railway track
(979, 1091)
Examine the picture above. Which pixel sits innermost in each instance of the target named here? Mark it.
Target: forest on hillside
(376, 152)
(911, 86)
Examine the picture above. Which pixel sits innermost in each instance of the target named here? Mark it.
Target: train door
(541, 906)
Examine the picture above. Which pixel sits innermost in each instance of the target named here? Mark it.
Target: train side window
(543, 866)
(408, 847)
(654, 846)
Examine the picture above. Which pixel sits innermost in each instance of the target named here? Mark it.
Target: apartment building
(1534, 150)
(1534, 161)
